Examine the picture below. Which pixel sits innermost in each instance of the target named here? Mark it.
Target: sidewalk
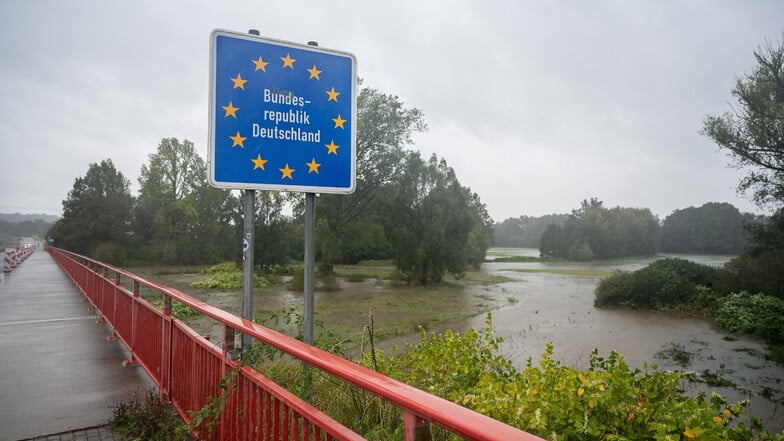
(58, 372)
(102, 433)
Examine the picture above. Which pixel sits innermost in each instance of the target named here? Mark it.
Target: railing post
(134, 305)
(227, 345)
(415, 428)
(113, 321)
(166, 349)
(100, 302)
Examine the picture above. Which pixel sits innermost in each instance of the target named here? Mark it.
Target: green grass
(565, 272)
(397, 309)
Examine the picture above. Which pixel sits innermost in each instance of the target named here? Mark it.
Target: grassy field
(397, 309)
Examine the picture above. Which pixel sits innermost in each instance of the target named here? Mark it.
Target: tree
(384, 128)
(552, 243)
(97, 210)
(171, 174)
(593, 231)
(524, 231)
(753, 134)
(274, 238)
(432, 221)
(179, 217)
(713, 228)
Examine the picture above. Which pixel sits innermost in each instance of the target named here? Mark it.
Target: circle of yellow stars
(238, 140)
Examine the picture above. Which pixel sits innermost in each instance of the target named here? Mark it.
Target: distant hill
(18, 217)
(17, 225)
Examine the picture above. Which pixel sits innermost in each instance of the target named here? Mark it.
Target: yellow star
(332, 95)
(239, 82)
(238, 140)
(286, 172)
(313, 166)
(314, 73)
(339, 122)
(260, 64)
(258, 162)
(230, 110)
(332, 148)
(288, 61)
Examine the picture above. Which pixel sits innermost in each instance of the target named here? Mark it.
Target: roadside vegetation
(148, 418)
(608, 400)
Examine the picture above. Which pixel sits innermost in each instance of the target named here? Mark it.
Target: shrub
(110, 253)
(608, 401)
(754, 272)
(224, 267)
(328, 282)
(229, 280)
(178, 310)
(757, 314)
(662, 284)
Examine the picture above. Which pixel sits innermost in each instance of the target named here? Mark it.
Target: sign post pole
(248, 239)
(310, 260)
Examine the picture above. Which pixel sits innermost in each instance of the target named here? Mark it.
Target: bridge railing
(188, 368)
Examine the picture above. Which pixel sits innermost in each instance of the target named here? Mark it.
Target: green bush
(757, 314)
(224, 267)
(178, 310)
(760, 271)
(607, 401)
(229, 280)
(661, 285)
(327, 282)
(111, 253)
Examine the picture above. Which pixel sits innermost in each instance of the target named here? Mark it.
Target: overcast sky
(536, 105)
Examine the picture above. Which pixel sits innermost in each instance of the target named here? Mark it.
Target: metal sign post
(282, 118)
(248, 240)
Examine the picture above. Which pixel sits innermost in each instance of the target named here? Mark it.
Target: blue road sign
(282, 115)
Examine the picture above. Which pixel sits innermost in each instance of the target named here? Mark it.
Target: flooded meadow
(533, 303)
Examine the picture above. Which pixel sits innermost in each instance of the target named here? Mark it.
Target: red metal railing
(188, 368)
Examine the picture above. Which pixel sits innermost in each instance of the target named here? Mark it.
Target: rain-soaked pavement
(58, 372)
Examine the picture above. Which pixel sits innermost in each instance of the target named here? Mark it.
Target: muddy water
(536, 308)
(559, 309)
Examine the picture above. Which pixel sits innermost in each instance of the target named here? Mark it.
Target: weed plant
(149, 418)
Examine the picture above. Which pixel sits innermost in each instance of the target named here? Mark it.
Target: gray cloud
(537, 105)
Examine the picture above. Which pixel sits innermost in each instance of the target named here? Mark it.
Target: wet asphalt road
(58, 372)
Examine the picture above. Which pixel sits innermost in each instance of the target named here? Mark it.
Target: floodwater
(537, 308)
(559, 309)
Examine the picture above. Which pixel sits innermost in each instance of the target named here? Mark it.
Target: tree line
(25, 228)
(594, 231)
(406, 208)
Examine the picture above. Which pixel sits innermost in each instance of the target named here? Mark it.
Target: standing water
(559, 308)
